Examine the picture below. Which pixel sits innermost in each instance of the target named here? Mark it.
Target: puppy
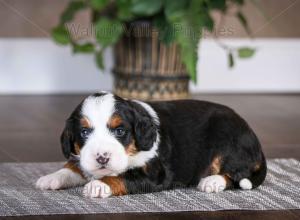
(117, 146)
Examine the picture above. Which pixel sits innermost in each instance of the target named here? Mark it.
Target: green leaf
(99, 4)
(189, 44)
(99, 59)
(188, 33)
(230, 60)
(124, 10)
(83, 48)
(70, 11)
(244, 22)
(108, 31)
(146, 7)
(245, 52)
(61, 35)
(190, 61)
(239, 2)
(165, 29)
(208, 21)
(174, 10)
(198, 16)
(217, 4)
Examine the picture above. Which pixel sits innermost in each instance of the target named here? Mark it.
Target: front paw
(59, 180)
(96, 189)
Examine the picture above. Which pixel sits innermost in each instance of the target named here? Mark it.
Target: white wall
(274, 68)
(38, 66)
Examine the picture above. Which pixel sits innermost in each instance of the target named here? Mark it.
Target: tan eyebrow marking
(84, 121)
(115, 121)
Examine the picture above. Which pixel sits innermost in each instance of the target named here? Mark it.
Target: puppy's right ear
(67, 139)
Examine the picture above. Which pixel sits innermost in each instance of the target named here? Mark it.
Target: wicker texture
(147, 69)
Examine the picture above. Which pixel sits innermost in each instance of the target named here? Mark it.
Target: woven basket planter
(146, 69)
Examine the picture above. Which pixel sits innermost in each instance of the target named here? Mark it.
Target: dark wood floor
(31, 126)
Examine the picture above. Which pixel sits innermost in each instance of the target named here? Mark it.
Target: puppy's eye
(85, 132)
(119, 132)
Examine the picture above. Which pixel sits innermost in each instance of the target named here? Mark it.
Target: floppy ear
(145, 133)
(66, 139)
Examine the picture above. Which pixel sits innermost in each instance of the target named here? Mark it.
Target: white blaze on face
(98, 110)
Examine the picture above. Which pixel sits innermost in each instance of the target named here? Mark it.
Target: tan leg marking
(74, 168)
(116, 185)
(215, 166)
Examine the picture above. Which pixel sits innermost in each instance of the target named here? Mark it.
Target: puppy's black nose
(102, 159)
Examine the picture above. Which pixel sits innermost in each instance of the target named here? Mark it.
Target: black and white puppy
(117, 146)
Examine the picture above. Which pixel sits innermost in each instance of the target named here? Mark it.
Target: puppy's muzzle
(103, 159)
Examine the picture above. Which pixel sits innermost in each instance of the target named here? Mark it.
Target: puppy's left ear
(145, 133)
(67, 139)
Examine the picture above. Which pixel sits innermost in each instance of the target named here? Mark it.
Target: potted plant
(155, 41)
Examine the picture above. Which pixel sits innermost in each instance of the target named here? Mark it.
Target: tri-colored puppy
(117, 146)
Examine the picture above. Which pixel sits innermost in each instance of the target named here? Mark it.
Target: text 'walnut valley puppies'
(117, 146)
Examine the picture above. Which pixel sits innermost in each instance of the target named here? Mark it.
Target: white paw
(210, 184)
(96, 189)
(59, 180)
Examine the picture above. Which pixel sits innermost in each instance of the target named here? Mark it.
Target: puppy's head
(110, 134)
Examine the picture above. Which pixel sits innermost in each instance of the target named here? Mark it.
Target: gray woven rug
(18, 196)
